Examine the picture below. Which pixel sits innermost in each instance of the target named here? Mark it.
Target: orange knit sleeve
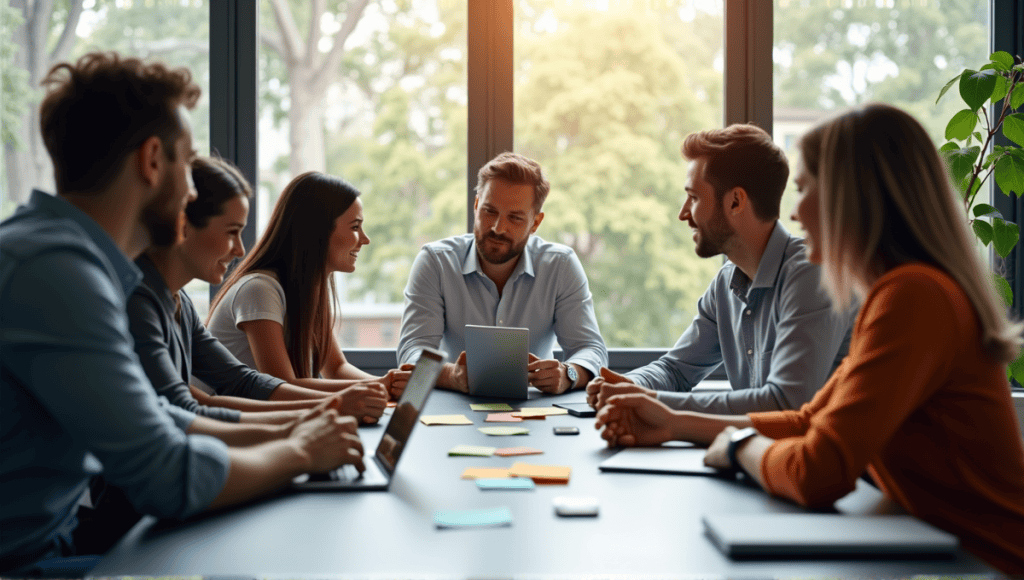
(899, 354)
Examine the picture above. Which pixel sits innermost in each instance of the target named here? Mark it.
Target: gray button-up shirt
(547, 293)
(777, 337)
(75, 401)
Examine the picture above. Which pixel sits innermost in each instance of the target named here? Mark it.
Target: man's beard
(163, 223)
(711, 239)
(498, 257)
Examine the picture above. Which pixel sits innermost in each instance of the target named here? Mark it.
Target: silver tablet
(497, 360)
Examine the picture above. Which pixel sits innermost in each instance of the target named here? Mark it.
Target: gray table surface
(649, 525)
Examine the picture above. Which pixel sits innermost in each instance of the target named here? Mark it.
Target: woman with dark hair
(275, 311)
(173, 344)
(921, 401)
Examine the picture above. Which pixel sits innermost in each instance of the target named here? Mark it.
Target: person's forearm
(444, 380)
(701, 428)
(350, 372)
(256, 405)
(258, 470)
(236, 434)
(311, 388)
(270, 417)
(751, 453)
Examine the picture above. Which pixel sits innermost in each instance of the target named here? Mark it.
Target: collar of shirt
(471, 260)
(154, 280)
(767, 269)
(54, 205)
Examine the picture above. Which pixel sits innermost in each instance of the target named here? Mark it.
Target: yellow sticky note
(445, 420)
(485, 473)
(529, 412)
(541, 473)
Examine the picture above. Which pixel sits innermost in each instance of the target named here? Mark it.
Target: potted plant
(991, 94)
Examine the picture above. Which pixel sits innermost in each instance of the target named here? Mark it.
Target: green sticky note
(506, 483)
(471, 450)
(469, 518)
(504, 430)
(490, 407)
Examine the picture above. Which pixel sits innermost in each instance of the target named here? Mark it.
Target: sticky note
(471, 518)
(471, 450)
(506, 483)
(445, 420)
(539, 412)
(490, 407)
(392, 404)
(510, 451)
(541, 473)
(503, 430)
(502, 418)
(485, 472)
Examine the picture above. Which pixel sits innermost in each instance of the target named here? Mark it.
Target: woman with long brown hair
(276, 311)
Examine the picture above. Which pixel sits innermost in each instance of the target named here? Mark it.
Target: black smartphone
(578, 409)
(566, 430)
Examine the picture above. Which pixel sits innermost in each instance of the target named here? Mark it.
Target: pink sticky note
(502, 418)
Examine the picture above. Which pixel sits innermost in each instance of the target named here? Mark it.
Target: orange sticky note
(392, 403)
(502, 418)
(485, 473)
(510, 451)
(541, 473)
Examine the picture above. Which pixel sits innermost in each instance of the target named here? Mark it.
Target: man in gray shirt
(764, 317)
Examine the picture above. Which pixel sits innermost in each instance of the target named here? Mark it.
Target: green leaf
(1016, 369)
(977, 136)
(1004, 236)
(1003, 287)
(976, 87)
(961, 162)
(1010, 174)
(946, 88)
(985, 210)
(1002, 87)
(962, 186)
(991, 66)
(988, 160)
(962, 124)
(1017, 99)
(949, 146)
(1013, 128)
(1002, 58)
(983, 230)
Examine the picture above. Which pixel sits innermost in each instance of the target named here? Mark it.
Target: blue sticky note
(467, 518)
(506, 483)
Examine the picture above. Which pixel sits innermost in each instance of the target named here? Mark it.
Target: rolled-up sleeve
(424, 317)
(575, 322)
(70, 345)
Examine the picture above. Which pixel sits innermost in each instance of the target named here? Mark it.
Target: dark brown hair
(295, 248)
(516, 169)
(742, 156)
(103, 107)
(216, 181)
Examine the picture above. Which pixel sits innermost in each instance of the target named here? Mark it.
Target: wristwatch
(735, 439)
(574, 377)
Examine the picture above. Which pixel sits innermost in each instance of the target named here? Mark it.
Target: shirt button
(750, 351)
(501, 322)
(748, 313)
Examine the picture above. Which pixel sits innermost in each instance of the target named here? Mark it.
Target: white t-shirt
(256, 296)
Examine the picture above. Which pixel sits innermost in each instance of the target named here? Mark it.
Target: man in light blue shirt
(504, 275)
(76, 402)
(764, 317)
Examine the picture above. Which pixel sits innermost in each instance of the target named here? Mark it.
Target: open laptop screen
(407, 412)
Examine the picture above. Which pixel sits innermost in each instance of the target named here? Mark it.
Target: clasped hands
(548, 375)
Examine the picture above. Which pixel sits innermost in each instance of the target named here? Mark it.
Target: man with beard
(504, 275)
(76, 402)
(764, 316)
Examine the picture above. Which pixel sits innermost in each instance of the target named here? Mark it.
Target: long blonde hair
(886, 199)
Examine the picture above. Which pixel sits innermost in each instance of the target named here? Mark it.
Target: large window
(377, 95)
(605, 92)
(37, 35)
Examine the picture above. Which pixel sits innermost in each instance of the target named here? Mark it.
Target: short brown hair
(742, 156)
(517, 169)
(103, 107)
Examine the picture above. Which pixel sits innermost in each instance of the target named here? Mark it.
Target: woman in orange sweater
(921, 400)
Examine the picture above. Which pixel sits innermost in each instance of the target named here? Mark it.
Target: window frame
(748, 39)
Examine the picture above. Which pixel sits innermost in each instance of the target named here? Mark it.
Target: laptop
(826, 535)
(496, 361)
(678, 458)
(381, 466)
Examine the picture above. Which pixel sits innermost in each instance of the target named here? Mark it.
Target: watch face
(570, 372)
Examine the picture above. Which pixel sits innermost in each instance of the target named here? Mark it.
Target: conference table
(649, 526)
